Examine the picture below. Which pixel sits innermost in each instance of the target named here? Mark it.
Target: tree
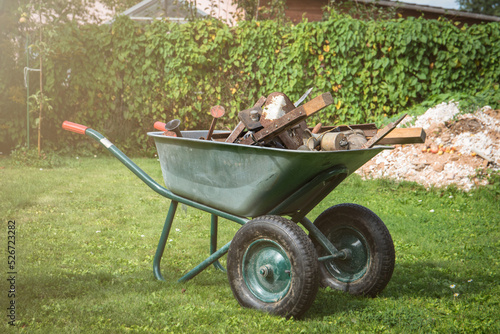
(487, 7)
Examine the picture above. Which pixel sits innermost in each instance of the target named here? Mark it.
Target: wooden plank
(383, 133)
(317, 104)
(238, 130)
(404, 136)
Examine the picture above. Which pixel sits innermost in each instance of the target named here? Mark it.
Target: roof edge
(431, 9)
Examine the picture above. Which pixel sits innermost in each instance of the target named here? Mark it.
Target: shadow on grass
(420, 280)
(63, 284)
(330, 302)
(436, 280)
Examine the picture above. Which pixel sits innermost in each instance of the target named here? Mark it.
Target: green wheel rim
(358, 255)
(267, 270)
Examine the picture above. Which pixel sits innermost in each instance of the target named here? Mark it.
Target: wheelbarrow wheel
(272, 266)
(362, 235)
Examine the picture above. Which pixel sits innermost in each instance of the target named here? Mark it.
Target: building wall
(224, 10)
(311, 9)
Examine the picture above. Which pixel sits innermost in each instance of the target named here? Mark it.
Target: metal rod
(211, 129)
(341, 256)
(213, 240)
(322, 239)
(163, 240)
(203, 265)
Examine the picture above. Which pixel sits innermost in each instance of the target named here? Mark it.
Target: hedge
(120, 78)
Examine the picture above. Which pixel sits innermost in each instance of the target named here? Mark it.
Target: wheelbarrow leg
(163, 240)
(213, 241)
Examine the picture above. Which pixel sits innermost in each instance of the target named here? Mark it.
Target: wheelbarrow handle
(159, 126)
(74, 127)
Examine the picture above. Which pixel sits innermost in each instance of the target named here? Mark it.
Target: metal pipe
(163, 240)
(202, 266)
(322, 240)
(214, 224)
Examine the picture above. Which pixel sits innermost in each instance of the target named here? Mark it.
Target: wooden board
(404, 136)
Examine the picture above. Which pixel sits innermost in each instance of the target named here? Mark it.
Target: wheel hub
(267, 270)
(356, 259)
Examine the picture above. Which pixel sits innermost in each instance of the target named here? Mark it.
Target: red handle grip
(159, 126)
(74, 127)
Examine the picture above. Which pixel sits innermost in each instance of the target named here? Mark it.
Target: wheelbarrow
(273, 265)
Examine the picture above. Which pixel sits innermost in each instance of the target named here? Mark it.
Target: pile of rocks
(457, 146)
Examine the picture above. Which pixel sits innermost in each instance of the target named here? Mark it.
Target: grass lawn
(86, 235)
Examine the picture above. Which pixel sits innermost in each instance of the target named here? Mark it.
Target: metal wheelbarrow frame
(364, 242)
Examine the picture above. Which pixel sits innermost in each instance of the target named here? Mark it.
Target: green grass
(86, 235)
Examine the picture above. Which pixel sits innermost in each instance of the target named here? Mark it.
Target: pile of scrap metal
(277, 122)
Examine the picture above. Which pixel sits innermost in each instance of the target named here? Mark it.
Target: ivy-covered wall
(121, 78)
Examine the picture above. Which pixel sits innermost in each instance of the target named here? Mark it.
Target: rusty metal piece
(238, 130)
(273, 101)
(334, 141)
(277, 104)
(384, 132)
(326, 141)
(356, 138)
(251, 118)
(216, 112)
(291, 119)
(254, 115)
(290, 139)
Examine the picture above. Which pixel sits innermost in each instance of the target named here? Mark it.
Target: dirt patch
(465, 125)
(456, 147)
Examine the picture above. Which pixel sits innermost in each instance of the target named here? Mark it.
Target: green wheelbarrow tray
(251, 181)
(248, 184)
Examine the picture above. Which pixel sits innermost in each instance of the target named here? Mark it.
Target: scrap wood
(384, 132)
(290, 119)
(398, 136)
(404, 136)
(238, 130)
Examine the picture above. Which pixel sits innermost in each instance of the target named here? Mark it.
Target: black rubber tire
(296, 249)
(356, 228)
